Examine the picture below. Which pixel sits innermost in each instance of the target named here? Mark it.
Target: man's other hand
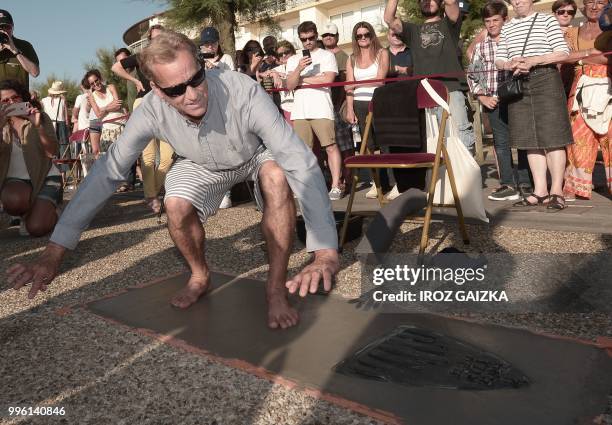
(40, 273)
(324, 266)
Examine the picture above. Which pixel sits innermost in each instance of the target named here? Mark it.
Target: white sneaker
(335, 193)
(226, 202)
(372, 193)
(23, 231)
(393, 193)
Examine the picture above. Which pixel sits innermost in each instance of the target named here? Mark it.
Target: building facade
(288, 14)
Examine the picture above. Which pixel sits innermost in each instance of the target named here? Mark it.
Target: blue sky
(66, 33)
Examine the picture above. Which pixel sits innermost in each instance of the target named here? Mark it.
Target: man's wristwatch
(18, 52)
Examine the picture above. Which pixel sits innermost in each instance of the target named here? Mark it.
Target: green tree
(189, 14)
(71, 86)
(472, 22)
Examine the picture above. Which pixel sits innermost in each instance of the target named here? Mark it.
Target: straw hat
(57, 88)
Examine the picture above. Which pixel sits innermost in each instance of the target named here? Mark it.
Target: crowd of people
(543, 85)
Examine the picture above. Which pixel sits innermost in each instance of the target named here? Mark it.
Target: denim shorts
(95, 126)
(51, 189)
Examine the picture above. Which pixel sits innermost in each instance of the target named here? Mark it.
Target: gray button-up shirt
(240, 118)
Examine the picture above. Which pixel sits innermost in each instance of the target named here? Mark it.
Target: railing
(273, 7)
(138, 45)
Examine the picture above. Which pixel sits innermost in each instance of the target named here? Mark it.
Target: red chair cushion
(79, 136)
(391, 158)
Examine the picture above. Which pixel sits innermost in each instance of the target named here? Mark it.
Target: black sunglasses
(305, 39)
(566, 12)
(328, 34)
(367, 35)
(180, 89)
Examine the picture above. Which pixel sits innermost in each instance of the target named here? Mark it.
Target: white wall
(345, 17)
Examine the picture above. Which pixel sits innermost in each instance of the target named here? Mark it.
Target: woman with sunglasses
(592, 130)
(564, 11)
(284, 51)
(30, 184)
(369, 61)
(105, 106)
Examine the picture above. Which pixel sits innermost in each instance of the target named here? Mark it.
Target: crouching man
(225, 129)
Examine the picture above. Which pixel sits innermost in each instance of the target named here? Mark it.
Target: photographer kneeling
(30, 185)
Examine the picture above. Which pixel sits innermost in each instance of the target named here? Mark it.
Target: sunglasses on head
(180, 89)
(305, 39)
(365, 36)
(565, 12)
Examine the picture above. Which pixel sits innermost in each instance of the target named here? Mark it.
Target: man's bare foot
(190, 293)
(280, 313)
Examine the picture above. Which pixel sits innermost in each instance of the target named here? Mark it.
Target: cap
(209, 35)
(5, 17)
(330, 28)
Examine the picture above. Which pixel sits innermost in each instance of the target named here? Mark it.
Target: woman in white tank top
(105, 105)
(369, 61)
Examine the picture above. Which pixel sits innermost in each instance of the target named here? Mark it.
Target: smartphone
(306, 53)
(18, 109)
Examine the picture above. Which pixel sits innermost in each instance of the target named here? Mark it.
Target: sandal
(525, 203)
(556, 203)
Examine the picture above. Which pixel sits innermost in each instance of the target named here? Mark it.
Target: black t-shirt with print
(434, 47)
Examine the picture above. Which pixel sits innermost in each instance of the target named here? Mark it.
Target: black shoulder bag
(511, 89)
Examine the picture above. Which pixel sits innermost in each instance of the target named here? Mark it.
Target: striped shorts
(205, 189)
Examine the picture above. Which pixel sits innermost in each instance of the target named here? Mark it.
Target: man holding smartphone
(18, 59)
(313, 111)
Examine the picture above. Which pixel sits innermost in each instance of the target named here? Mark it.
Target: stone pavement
(52, 352)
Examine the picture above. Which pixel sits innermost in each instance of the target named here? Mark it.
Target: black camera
(207, 55)
(4, 38)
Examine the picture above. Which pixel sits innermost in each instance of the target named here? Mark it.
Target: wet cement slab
(569, 380)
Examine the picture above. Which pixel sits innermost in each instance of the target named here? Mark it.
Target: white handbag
(465, 169)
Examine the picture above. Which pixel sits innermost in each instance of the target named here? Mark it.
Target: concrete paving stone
(108, 374)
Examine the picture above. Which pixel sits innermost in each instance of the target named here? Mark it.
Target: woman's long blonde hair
(375, 45)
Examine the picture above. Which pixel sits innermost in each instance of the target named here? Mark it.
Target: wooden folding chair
(395, 126)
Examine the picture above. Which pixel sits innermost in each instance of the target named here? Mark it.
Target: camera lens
(3, 38)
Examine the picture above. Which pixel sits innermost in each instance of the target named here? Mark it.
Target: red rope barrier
(413, 77)
(112, 120)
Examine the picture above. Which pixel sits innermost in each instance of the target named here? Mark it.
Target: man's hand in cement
(325, 266)
(40, 273)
